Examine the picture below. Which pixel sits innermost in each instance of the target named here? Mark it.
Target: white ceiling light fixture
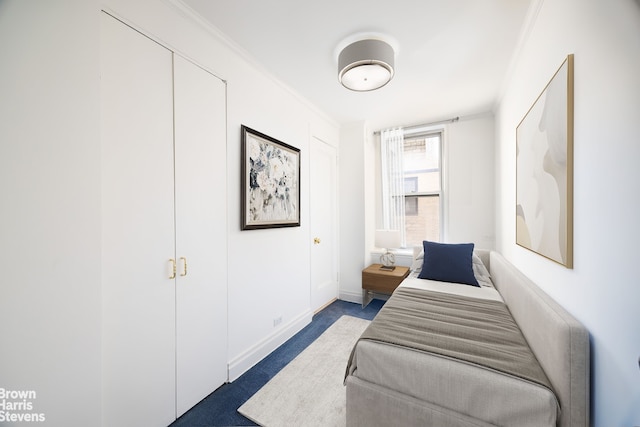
(366, 65)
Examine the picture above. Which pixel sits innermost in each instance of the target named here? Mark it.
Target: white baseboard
(351, 296)
(245, 361)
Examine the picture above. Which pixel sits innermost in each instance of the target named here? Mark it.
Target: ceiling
(452, 56)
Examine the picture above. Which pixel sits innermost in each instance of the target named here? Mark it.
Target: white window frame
(426, 132)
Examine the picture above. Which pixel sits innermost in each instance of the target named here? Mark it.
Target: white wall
(50, 217)
(469, 181)
(602, 289)
(354, 152)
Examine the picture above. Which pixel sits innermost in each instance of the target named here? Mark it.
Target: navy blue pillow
(448, 263)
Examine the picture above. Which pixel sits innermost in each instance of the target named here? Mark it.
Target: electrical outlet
(277, 321)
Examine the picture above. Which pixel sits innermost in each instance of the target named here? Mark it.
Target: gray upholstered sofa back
(558, 340)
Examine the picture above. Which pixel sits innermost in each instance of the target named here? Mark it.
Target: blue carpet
(220, 407)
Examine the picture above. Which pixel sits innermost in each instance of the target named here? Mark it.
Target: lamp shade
(366, 65)
(388, 239)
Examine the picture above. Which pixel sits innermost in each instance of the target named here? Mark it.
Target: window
(412, 184)
(411, 206)
(422, 177)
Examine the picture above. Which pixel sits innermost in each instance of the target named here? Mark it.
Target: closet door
(323, 219)
(201, 245)
(137, 229)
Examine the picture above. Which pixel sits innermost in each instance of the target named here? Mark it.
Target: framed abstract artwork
(544, 171)
(270, 182)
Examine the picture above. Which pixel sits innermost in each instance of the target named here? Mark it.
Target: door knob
(316, 241)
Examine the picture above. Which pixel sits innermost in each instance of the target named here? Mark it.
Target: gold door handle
(174, 268)
(184, 266)
(316, 241)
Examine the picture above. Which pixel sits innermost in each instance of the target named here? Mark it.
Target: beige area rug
(309, 391)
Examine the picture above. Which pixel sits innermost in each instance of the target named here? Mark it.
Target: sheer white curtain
(391, 156)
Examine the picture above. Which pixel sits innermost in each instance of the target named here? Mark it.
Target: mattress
(484, 292)
(463, 387)
(478, 393)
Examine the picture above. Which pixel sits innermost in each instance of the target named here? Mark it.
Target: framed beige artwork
(544, 171)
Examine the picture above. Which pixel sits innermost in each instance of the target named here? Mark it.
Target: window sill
(404, 256)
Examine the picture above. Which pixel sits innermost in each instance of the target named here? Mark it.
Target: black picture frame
(270, 182)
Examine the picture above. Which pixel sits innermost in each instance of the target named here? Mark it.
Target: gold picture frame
(544, 171)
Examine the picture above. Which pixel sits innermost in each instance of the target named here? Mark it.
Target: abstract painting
(544, 171)
(270, 182)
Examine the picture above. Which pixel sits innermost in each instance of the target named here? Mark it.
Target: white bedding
(483, 292)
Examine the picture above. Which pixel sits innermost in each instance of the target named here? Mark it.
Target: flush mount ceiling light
(366, 65)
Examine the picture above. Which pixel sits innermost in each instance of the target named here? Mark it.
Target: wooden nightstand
(375, 280)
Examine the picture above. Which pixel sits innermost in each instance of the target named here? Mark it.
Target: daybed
(397, 377)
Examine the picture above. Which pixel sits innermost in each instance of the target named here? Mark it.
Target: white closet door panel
(324, 223)
(138, 229)
(201, 295)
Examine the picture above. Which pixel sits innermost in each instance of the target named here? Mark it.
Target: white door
(138, 297)
(324, 211)
(201, 244)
